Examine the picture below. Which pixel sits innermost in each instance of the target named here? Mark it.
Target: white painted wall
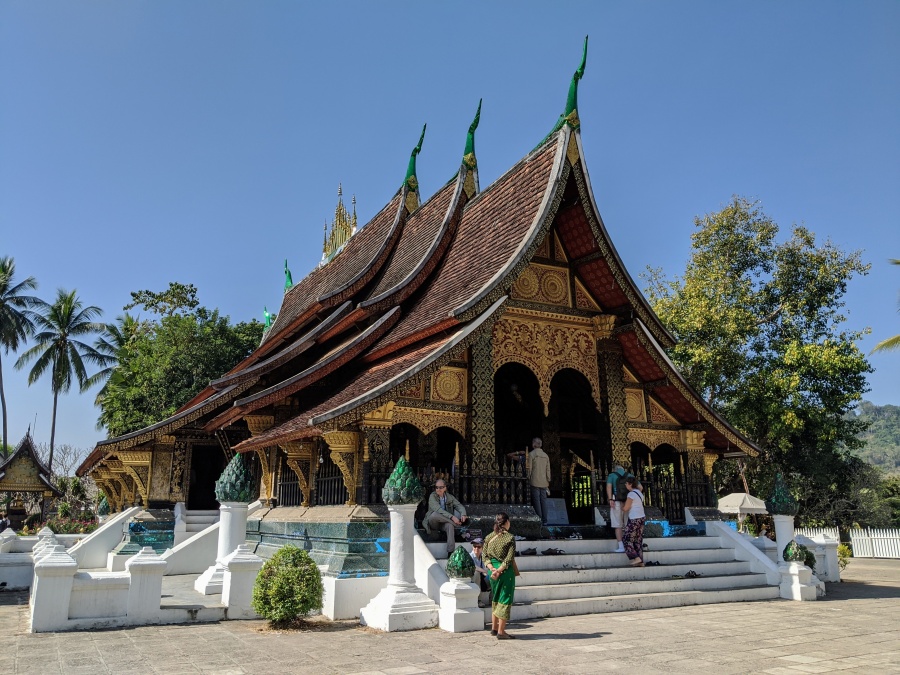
(91, 552)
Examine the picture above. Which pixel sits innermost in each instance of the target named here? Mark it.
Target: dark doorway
(574, 415)
(518, 410)
(207, 464)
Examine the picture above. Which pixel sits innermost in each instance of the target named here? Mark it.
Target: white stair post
(51, 590)
(241, 568)
(146, 570)
(232, 533)
(784, 533)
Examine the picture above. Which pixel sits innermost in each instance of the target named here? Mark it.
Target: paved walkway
(856, 628)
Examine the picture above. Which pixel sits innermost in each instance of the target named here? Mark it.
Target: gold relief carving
(634, 405)
(265, 473)
(603, 326)
(543, 251)
(301, 454)
(660, 416)
(414, 390)
(115, 465)
(708, 460)
(627, 376)
(469, 184)
(135, 457)
(449, 385)
(583, 299)
(572, 150)
(546, 348)
(427, 421)
(540, 283)
(166, 440)
(344, 445)
(179, 470)
(693, 441)
(22, 475)
(259, 423)
(140, 483)
(653, 438)
(560, 251)
(380, 417)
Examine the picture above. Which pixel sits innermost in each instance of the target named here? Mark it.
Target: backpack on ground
(620, 490)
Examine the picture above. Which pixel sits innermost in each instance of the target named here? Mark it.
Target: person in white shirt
(633, 536)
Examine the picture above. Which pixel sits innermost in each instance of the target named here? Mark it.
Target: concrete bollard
(51, 590)
(241, 568)
(146, 570)
(232, 533)
(796, 582)
(459, 611)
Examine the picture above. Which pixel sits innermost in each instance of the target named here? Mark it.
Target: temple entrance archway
(573, 429)
(518, 410)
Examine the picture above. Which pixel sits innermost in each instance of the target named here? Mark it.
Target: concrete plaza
(855, 628)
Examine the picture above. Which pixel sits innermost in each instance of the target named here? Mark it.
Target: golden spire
(342, 228)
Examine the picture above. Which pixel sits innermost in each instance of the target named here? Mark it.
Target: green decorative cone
(794, 552)
(234, 485)
(402, 487)
(782, 502)
(103, 507)
(460, 565)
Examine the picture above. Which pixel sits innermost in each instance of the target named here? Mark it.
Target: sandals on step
(553, 551)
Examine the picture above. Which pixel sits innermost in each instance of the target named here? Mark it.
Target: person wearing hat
(444, 513)
(480, 569)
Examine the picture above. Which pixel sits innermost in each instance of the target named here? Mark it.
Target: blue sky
(203, 142)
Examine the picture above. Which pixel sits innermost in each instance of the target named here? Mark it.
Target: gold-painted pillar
(137, 465)
(344, 446)
(257, 424)
(610, 364)
(693, 444)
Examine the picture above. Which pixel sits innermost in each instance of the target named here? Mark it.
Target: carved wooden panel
(544, 284)
(653, 438)
(449, 385)
(634, 405)
(414, 390)
(162, 467)
(660, 416)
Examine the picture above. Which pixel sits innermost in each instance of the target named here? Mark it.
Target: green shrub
(64, 510)
(288, 586)
(33, 520)
(844, 554)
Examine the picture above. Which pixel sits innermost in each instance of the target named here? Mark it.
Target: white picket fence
(830, 532)
(870, 543)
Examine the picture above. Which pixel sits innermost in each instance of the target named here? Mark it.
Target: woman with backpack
(633, 536)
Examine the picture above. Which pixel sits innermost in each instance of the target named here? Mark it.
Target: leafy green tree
(882, 436)
(15, 322)
(891, 343)
(113, 342)
(168, 361)
(762, 337)
(58, 349)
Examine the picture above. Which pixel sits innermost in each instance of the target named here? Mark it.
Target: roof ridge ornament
(411, 181)
(288, 279)
(570, 116)
(469, 153)
(342, 228)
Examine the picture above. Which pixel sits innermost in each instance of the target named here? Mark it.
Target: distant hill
(883, 437)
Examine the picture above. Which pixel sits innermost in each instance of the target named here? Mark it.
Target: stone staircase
(194, 522)
(590, 578)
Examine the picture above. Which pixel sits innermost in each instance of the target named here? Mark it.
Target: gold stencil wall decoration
(427, 421)
(660, 416)
(546, 347)
(653, 438)
(414, 390)
(448, 385)
(634, 405)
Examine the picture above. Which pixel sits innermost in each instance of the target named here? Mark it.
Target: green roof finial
(267, 316)
(288, 281)
(411, 181)
(469, 154)
(571, 113)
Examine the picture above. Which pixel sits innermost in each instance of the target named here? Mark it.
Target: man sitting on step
(444, 512)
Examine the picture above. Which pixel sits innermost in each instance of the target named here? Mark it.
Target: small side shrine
(24, 475)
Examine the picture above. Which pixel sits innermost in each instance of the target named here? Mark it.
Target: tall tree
(171, 359)
(113, 340)
(762, 336)
(15, 321)
(59, 350)
(890, 343)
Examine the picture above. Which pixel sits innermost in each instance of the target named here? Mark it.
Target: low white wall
(16, 570)
(195, 555)
(26, 544)
(99, 594)
(90, 552)
(825, 550)
(345, 597)
(429, 574)
(745, 550)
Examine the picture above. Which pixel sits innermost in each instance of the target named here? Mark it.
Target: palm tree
(112, 343)
(59, 350)
(891, 343)
(15, 321)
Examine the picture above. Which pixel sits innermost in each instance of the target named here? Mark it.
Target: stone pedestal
(784, 533)
(232, 533)
(146, 570)
(459, 611)
(401, 605)
(54, 574)
(796, 580)
(241, 568)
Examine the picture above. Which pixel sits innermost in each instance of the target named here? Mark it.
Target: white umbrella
(742, 504)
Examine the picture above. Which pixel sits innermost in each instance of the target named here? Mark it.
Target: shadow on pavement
(859, 590)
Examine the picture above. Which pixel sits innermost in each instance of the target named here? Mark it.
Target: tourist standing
(4, 522)
(633, 536)
(615, 495)
(499, 558)
(539, 479)
(444, 512)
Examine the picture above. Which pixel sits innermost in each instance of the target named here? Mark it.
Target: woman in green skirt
(499, 556)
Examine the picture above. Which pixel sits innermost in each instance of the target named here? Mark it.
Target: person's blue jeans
(539, 502)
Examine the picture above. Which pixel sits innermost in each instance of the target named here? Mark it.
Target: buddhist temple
(450, 330)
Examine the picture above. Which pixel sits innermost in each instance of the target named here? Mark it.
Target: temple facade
(450, 331)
